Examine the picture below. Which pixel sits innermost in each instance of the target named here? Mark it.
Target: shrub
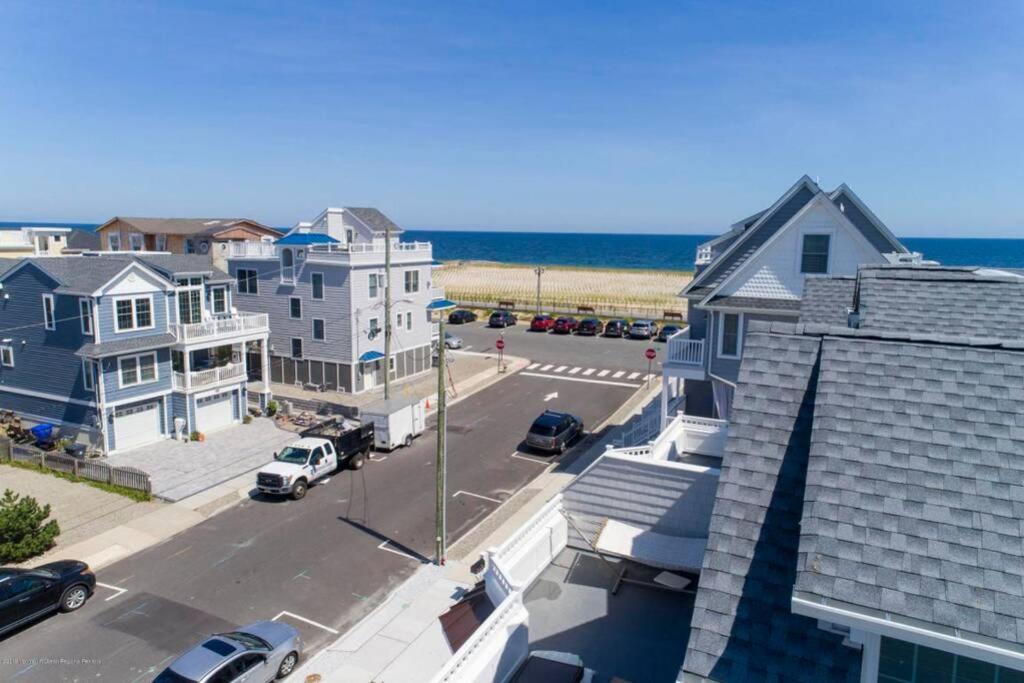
(194, 436)
(24, 531)
(247, 419)
(271, 408)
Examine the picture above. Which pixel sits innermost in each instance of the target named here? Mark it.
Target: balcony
(198, 379)
(365, 253)
(685, 357)
(223, 329)
(249, 249)
(686, 438)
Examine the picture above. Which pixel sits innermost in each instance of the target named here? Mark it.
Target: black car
(589, 326)
(27, 594)
(616, 328)
(667, 332)
(554, 431)
(461, 316)
(501, 319)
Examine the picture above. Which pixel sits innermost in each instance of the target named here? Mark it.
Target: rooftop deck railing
(683, 350)
(251, 249)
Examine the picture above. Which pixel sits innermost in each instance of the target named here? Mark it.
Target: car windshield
(247, 640)
(297, 456)
(169, 676)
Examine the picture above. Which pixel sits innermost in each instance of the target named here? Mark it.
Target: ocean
(656, 252)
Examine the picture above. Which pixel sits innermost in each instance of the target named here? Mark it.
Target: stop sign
(650, 353)
(500, 344)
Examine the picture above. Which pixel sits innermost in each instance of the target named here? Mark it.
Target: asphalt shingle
(827, 300)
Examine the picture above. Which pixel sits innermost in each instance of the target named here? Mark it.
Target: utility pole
(387, 311)
(539, 271)
(441, 503)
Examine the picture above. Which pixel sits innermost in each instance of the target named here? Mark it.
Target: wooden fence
(128, 477)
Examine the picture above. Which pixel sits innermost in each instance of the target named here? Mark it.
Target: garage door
(214, 412)
(137, 425)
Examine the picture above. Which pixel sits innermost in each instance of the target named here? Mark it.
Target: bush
(247, 419)
(194, 436)
(271, 408)
(24, 531)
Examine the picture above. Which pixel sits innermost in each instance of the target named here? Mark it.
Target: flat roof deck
(639, 634)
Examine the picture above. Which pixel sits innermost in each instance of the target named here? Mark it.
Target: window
(296, 347)
(219, 300)
(729, 338)
(190, 306)
(412, 281)
(85, 312)
(350, 235)
(317, 281)
(134, 370)
(374, 327)
(136, 241)
(247, 281)
(902, 662)
(49, 321)
(374, 285)
(814, 258)
(318, 329)
(87, 374)
(114, 241)
(133, 314)
(190, 246)
(287, 266)
(295, 307)
(7, 356)
(161, 242)
(408, 321)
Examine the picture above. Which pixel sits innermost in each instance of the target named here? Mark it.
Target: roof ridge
(826, 330)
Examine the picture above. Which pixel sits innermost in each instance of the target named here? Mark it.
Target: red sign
(650, 353)
(500, 344)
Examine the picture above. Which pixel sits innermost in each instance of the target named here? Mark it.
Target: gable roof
(827, 300)
(373, 219)
(858, 213)
(86, 274)
(203, 227)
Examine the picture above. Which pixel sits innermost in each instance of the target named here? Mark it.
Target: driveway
(181, 469)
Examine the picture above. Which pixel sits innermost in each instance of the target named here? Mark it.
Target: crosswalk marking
(561, 368)
(547, 367)
(618, 374)
(633, 375)
(603, 373)
(534, 366)
(588, 372)
(574, 371)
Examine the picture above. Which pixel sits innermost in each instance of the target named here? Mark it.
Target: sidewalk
(401, 640)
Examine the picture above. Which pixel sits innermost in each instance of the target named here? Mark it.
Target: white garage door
(137, 425)
(214, 412)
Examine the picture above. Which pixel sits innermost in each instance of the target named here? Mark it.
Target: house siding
(729, 368)
(111, 384)
(106, 309)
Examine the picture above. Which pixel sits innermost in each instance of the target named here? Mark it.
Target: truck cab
(297, 466)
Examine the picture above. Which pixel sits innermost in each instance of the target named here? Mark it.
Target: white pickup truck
(321, 450)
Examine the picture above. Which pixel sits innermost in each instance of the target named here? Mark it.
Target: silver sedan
(257, 653)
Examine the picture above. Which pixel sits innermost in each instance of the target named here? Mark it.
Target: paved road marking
(308, 621)
(603, 373)
(468, 348)
(561, 368)
(183, 550)
(520, 456)
(383, 546)
(380, 459)
(546, 368)
(574, 371)
(475, 495)
(618, 374)
(552, 395)
(119, 591)
(533, 366)
(579, 379)
(633, 375)
(587, 372)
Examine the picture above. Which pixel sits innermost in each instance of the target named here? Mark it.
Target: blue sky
(625, 117)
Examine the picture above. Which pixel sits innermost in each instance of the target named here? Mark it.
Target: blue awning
(441, 304)
(370, 356)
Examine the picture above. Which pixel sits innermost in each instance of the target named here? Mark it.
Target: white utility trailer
(396, 421)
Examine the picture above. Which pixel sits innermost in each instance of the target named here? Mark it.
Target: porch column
(187, 366)
(265, 360)
(666, 381)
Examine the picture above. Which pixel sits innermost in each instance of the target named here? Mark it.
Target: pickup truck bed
(352, 440)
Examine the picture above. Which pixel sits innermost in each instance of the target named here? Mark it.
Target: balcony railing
(436, 294)
(223, 327)
(685, 351)
(205, 378)
(251, 250)
(375, 247)
(704, 256)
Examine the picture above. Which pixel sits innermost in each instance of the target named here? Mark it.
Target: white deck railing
(375, 247)
(436, 293)
(251, 250)
(683, 434)
(683, 350)
(704, 255)
(223, 327)
(205, 378)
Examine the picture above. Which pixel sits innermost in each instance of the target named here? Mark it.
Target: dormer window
(814, 257)
(137, 241)
(114, 241)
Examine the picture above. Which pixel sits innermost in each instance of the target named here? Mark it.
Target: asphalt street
(319, 564)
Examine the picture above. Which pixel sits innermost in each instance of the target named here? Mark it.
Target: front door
(370, 374)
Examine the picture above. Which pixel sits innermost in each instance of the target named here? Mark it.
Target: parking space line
(383, 546)
(527, 458)
(475, 495)
(533, 366)
(546, 367)
(118, 591)
(603, 373)
(587, 372)
(574, 371)
(633, 375)
(561, 368)
(580, 379)
(308, 621)
(618, 374)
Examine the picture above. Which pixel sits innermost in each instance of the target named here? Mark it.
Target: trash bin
(75, 450)
(42, 432)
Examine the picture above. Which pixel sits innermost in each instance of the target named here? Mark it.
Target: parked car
(552, 432)
(451, 341)
(27, 594)
(257, 653)
(643, 329)
(589, 326)
(320, 451)
(667, 332)
(502, 319)
(542, 323)
(565, 325)
(616, 328)
(461, 316)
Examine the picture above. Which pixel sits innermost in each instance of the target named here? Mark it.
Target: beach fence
(127, 477)
(603, 310)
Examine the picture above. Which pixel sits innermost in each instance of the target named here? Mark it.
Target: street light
(539, 271)
(438, 311)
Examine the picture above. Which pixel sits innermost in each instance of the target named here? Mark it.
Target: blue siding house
(123, 350)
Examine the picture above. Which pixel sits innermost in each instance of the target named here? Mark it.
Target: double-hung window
(88, 374)
(219, 300)
(114, 241)
(412, 281)
(247, 281)
(296, 347)
(374, 285)
(137, 241)
(408, 321)
(190, 246)
(49, 319)
(814, 256)
(7, 355)
(134, 370)
(317, 284)
(374, 327)
(190, 303)
(729, 336)
(319, 332)
(161, 242)
(85, 312)
(133, 314)
(295, 307)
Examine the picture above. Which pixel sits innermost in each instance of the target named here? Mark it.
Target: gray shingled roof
(757, 303)
(950, 301)
(88, 273)
(373, 218)
(153, 341)
(742, 627)
(915, 487)
(875, 234)
(827, 300)
(187, 226)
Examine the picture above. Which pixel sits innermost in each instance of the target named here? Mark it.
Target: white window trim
(87, 375)
(255, 279)
(312, 330)
(408, 320)
(290, 300)
(86, 315)
(135, 313)
(161, 242)
(50, 324)
(373, 291)
(810, 232)
(8, 350)
(111, 239)
(739, 335)
(213, 300)
(413, 275)
(288, 280)
(323, 286)
(302, 347)
(138, 371)
(131, 241)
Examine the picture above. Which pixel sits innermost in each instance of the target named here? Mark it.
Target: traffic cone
(428, 403)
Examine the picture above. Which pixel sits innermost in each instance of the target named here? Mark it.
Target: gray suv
(554, 431)
(258, 653)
